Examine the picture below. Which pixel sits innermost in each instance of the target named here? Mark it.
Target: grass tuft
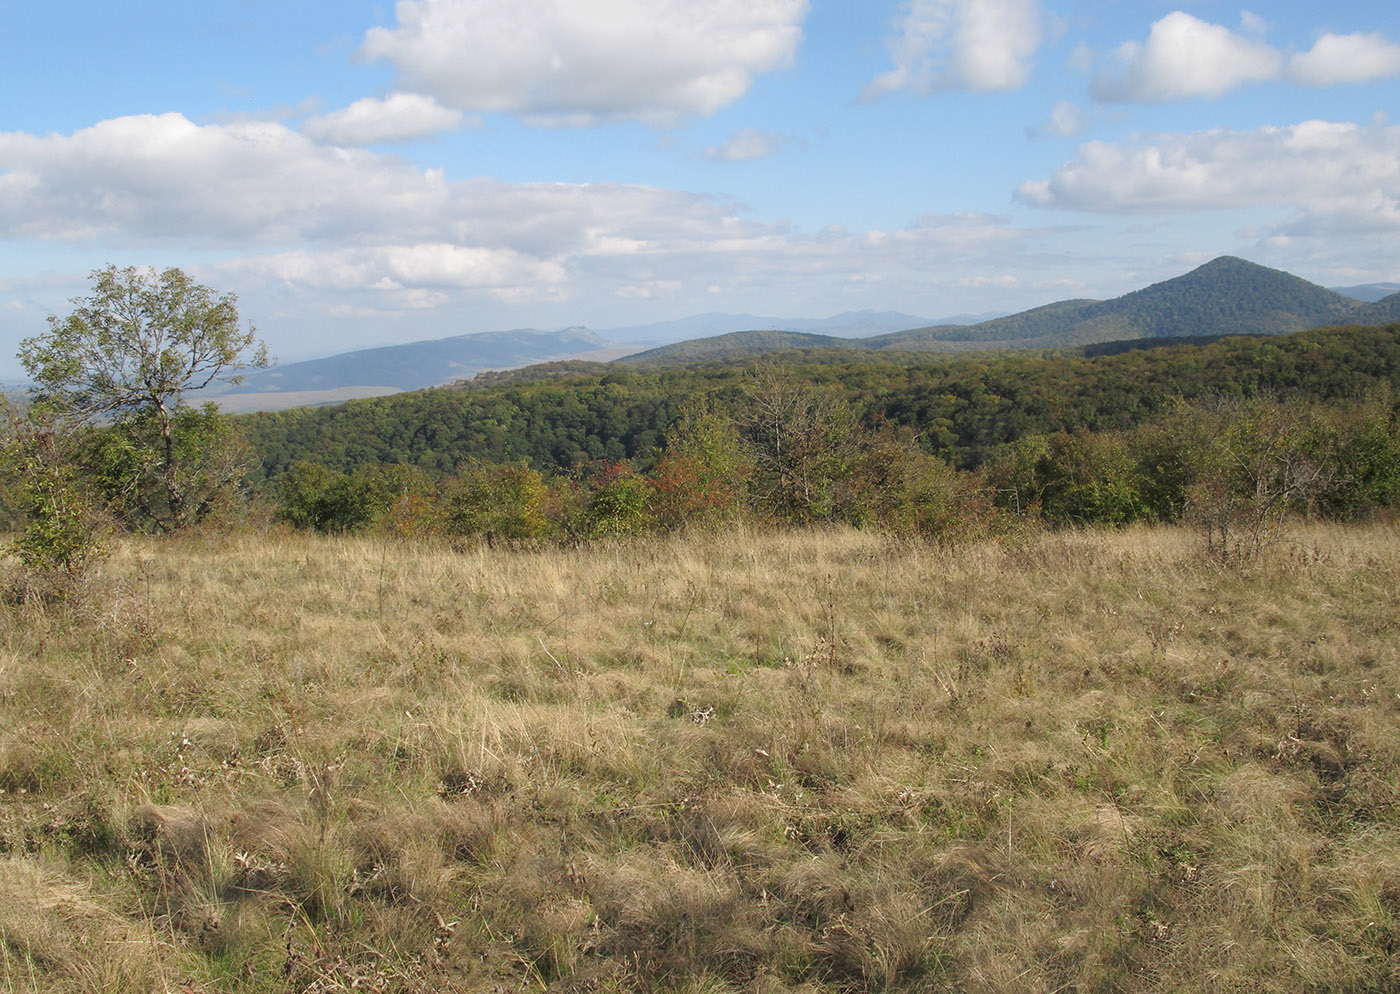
(826, 761)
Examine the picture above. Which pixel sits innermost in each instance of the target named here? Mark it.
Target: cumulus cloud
(1354, 58)
(982, 45)
(577, 62)
(1335, 176)
(404, 277)
(1186, 57)
(353, 232)
(372, 121)
(746, 144)
(148, 178)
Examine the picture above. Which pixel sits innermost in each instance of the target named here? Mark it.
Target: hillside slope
(425, 363)
(1227, 296)
(962, 407)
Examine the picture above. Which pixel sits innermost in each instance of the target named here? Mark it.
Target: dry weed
(816, 761)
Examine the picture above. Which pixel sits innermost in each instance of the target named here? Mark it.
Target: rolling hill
(1228, 296)
(414, 366)
(426, 363)
(391, 369)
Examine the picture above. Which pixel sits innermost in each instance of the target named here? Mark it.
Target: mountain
(1369, 292)
(391, 368)
(1227, 296)
(851, 324)
(734, 345)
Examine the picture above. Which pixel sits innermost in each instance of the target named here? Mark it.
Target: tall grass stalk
(820, 760)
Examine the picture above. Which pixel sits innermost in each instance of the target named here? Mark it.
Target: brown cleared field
(828, 761)
(244, 403)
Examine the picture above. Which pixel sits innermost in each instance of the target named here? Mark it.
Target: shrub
(1362, 444)
(312, 496)
(1011, 474)
(1090, 479)
(617, 502)
(804, 442)
(499, 502)
(1262, 463)
(126, 468)
(700, 477)
(61, 526)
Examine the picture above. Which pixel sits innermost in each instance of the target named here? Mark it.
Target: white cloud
(577, 62)
(746, 144)
(648, 291)
(1003, 282)
(1065, 121)
(982, 45)
(156, 178)
(402, 277)
(372, 121)
(1354, 58)
(1335, 176)
(1186, 57)
(1081, 60)
(351, 232)
(1252, 23)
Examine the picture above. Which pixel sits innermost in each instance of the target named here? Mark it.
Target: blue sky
(362, 173)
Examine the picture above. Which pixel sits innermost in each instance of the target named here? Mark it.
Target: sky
(368, 173)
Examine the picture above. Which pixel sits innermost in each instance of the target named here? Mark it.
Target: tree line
(1235, 436)
(961, 409)
(1236, 467)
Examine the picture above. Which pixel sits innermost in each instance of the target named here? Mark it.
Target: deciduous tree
(127, 356)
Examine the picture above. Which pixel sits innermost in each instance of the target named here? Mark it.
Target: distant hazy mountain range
(851, 324)
(1228, 296)
(1370, 292)
(392, 368)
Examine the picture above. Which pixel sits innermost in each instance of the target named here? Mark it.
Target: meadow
(752, 759)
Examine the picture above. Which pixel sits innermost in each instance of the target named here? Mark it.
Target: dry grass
(827, 761)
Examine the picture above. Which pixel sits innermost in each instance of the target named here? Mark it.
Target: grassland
(819, 761)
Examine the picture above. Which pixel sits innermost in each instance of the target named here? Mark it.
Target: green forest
(1234, 435)
(823, 671)
(962, 409)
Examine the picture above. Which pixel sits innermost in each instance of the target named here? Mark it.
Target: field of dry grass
(828, 761)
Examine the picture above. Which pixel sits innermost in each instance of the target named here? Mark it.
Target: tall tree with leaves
(127, 356)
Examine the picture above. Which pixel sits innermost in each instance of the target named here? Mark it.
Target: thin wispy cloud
(1066, 120)
(746, 145)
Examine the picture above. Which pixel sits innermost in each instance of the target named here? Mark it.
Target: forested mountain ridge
(961, 407)
(415, 365)
(1227, 296)
(737, 344)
